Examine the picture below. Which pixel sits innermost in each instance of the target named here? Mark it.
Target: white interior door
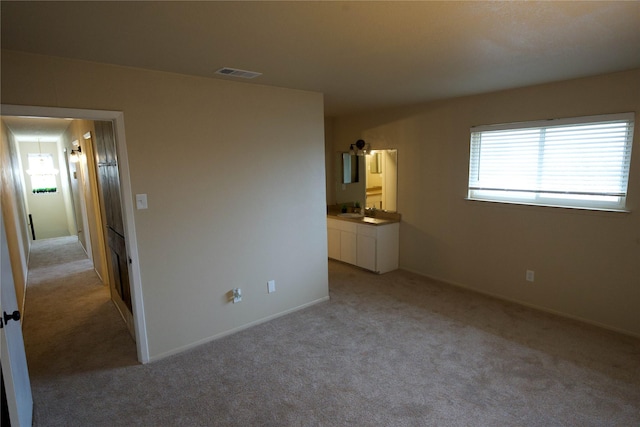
(13, 358)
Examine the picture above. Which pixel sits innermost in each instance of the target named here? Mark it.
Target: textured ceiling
(361, 55)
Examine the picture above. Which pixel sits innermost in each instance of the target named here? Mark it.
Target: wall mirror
(350, 169)
(382, 179)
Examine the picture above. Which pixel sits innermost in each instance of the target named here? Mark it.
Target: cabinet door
(366, 251)
(348, 247)
(333, 242)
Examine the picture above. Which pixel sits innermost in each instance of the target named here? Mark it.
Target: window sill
(541, 205)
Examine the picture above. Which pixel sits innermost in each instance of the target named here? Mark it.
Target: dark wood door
(109, 180)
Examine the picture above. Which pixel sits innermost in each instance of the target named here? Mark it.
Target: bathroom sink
(350, 215)
(370, 220)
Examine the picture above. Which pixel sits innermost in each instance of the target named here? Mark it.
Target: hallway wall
(91, 235)
(14, 213)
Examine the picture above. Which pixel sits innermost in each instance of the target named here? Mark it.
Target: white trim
(542, 205)
(555, 122)
(117, 117)
(238, 329)
(595, 179)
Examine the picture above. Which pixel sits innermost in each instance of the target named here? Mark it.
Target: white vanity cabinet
(342, 240)
(372, 247)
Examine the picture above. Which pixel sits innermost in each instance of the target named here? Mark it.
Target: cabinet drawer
(367, 230)
(342, 225)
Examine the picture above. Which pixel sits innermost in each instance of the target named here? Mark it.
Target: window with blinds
(580, 162)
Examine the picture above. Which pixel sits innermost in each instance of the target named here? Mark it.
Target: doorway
(129, 263)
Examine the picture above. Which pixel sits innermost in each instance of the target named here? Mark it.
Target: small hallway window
(42, 173)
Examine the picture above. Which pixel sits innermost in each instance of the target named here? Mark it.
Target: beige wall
(235, 179)
(329, 160)
(13, 212)
(587, 264)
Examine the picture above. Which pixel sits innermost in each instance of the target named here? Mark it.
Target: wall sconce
(74, 157)
(360, 148)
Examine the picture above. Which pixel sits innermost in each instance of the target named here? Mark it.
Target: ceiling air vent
(234, 72)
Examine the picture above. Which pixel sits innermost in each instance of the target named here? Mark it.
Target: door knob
(15, 316)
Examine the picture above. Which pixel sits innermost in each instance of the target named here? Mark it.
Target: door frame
(16, 385)
(117, 117)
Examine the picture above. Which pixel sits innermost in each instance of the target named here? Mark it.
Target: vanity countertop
(363, 219)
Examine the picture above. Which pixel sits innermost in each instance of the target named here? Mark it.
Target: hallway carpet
(386, 350)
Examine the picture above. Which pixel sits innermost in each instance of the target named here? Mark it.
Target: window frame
(536, 196)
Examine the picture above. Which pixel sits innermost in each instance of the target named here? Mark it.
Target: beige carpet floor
(389, 350)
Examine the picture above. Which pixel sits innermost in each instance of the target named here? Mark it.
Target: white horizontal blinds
(504, 160)
(587, 159)
(554, 162)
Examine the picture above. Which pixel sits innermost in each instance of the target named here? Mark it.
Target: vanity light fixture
(360, 148)
(75, 155)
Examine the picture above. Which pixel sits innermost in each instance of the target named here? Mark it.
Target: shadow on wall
(432, 253)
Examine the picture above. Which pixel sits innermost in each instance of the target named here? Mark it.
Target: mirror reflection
(382, 179)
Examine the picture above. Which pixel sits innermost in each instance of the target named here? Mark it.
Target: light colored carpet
(389, 350)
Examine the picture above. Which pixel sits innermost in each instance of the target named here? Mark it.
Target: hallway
(71, 327)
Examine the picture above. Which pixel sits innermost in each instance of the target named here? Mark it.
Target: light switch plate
(141, 201)
(271, 286)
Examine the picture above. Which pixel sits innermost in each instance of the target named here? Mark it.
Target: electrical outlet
(271, 286)
(530, 275)
(237, 295)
